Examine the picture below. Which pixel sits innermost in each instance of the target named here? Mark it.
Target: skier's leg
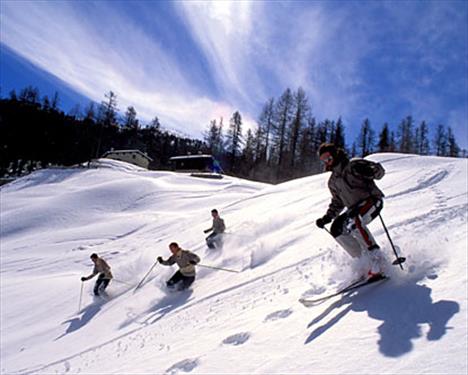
(104, 285)
(367, 211)
(186, 282)
(218, 241)
(174, 279)
(340, 232)
(98, 285)
(210, 241)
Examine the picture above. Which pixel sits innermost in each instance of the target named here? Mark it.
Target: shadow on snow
(89, 313)
(403, 309)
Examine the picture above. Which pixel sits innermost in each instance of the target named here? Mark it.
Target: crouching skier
(105, 276)
(352, 187)
(186, 260)
(215, 239)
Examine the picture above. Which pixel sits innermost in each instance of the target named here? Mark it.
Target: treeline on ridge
(35, 133)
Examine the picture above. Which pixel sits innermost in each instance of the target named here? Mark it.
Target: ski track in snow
(282, 256)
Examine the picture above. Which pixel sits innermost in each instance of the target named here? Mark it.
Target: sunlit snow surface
(246, 322)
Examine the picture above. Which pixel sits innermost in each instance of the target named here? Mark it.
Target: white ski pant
(350, 229)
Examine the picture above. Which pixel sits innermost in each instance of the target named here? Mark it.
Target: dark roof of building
(117, 152)
(204, 156)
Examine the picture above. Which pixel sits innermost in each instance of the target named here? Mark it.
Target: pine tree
(384, 139)
(440, 141)
(406, 136)
(423, 140)
(366, 138)
(214, 138)
(55, 101)
(393, 145)
(155, 124)
(107, 118)
(108, 110)
(452, 146)
(248, 154)
(130, 119)
(234, 138)
(339, 134)
(264, 131)
(301, 109)
(283, 115)
(308, 148)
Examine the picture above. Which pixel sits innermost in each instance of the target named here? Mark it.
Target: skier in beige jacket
(186, 260)
(105, 275)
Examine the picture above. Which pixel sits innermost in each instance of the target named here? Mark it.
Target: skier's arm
(169, 262)
(95, 272)
(336, 206)
(193, 258)
(367, 169)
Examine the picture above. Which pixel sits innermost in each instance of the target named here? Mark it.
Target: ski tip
(398, 261)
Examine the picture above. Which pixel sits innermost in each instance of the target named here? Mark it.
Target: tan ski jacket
(183, 258)
(101, 266)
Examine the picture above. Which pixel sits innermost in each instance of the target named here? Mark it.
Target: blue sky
(189, 62)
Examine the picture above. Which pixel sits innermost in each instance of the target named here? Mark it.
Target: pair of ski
(308, 302)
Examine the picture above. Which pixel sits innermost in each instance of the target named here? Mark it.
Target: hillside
(246, 322)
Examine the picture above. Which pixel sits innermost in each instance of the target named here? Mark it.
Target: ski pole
(218, 268)
(81, 295)
(398, 260)
(144, 278)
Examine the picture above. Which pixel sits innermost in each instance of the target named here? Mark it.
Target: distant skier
(352, 187)
(215, 239)
(186, 260)
(105, 276)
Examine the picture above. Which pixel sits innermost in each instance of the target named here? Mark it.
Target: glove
(323, 221)
(159, 259)
(83, 278)
(192, 262)
(206, 231)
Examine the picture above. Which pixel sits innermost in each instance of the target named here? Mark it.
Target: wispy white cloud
(114, 54)
(258, 49)
(352, 60)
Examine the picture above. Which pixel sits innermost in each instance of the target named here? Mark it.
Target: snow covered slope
(247, 322)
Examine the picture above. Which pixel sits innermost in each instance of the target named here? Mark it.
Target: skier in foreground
(215, 239)
(352, 187)
(186, 260)
(102, 268)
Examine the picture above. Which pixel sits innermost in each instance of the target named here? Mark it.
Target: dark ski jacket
(183, 258)
(351, 182)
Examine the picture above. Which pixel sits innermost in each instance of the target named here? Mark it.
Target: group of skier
(356, 201)
(185, 260)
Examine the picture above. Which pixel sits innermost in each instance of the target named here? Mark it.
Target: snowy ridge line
(177, 310)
